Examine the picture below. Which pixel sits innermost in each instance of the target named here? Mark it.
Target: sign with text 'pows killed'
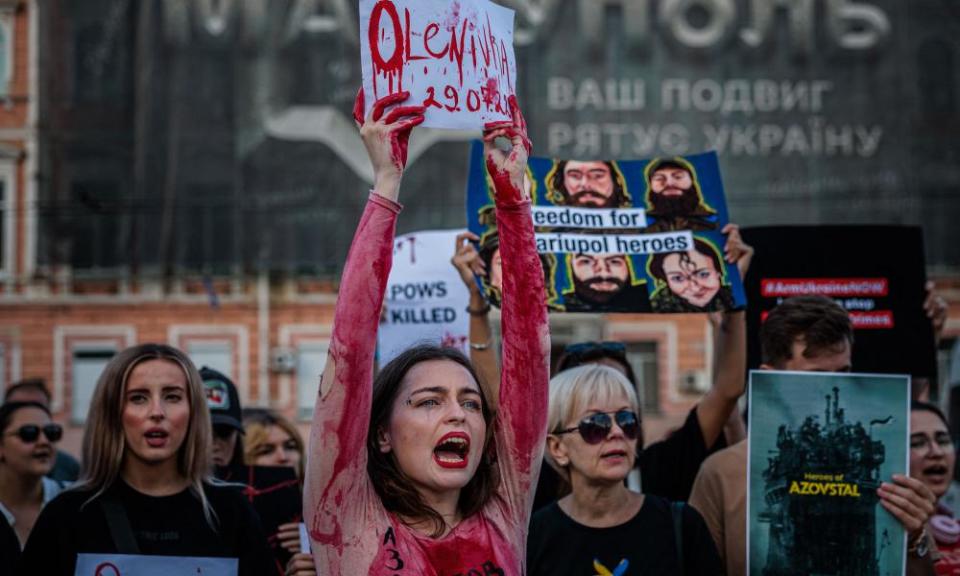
(426, 299)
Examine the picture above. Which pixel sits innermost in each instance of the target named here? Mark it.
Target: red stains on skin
(523, 394)
(358, 107)
(339, 432)
(401, 120)
(344, 513)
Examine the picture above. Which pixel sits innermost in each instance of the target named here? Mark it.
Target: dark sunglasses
(596, 427)
(29, 433)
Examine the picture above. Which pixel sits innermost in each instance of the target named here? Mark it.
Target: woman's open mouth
(156, 438)
(936, 473)
(452, 451)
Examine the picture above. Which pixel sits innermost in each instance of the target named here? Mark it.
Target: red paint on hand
(358, 105)
(387, 100)
(399, 122)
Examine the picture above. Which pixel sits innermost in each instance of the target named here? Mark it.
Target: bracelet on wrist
(483, 346)
(919, 547)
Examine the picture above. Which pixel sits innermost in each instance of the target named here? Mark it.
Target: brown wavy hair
(557, 190)
(395, 488)
(822, 324)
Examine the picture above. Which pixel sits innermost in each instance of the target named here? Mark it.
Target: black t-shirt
(9, 547)
(667, 467)
(164, 526)
(643, 546)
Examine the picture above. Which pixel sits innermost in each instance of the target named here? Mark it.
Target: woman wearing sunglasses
(27, 453)
(147, 488)
(400, 478)
(602, 527)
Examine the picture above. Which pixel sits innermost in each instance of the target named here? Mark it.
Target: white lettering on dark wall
(853, 25)
(744, 124)
(801, 139)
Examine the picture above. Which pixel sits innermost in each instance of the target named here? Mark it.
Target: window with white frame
(216, 354)
(643, 358)
(311, 360)
(88, 363)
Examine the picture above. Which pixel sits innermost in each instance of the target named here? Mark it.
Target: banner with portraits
(618, 235)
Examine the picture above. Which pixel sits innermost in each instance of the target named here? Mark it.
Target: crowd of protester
(437, 463)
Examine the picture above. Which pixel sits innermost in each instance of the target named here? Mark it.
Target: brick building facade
(61, 317)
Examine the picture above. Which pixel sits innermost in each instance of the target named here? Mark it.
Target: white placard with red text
(138, 565)
(454, 56)
(426, 300)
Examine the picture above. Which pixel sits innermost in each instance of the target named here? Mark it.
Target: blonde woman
(147, 488)
(601, 527)
(272, 440)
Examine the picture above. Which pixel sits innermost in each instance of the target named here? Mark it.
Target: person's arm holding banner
(936, 309)
(301, 564)
(912, 503)
(521, 421)
(342, 414)
(483, 352)
(715, 408)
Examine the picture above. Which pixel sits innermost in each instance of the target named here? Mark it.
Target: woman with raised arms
(412, 473)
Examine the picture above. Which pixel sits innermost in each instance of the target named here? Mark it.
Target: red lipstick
(452, 451)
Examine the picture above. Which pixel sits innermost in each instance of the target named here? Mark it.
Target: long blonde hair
(256, 430)
(104, 443)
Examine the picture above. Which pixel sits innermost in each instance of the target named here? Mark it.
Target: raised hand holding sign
(506, 169)
(386, 137)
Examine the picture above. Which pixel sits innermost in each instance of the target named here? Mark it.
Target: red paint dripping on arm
(522, 415)
(337, 434)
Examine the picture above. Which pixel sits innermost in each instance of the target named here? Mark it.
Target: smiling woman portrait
(146, 488)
